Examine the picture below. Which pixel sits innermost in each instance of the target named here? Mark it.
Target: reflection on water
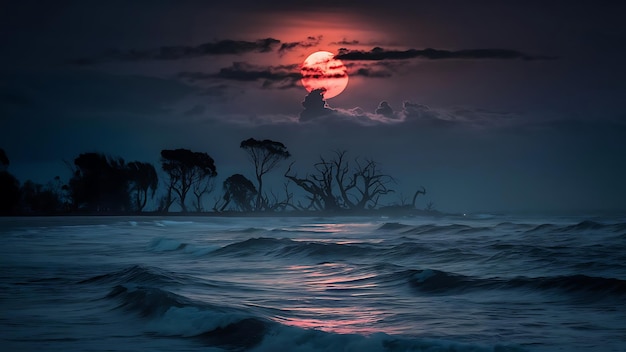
(328, 291)
(343, 320)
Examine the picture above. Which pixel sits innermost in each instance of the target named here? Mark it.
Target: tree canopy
(265, 155)
(100, 183)
(187, 170)
(143, 181)
(239, 190)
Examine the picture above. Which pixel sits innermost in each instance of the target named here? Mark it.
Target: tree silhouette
(265, 155)
(320, 186)
(336, 184)
(187, 170)
(4, 160)
(100, 183)
(9, 193)
(143, 179)
(369, 184)
(201, 188)
(9, 187)
(239, 190)
(38, 198)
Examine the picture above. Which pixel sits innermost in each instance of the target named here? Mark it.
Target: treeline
(108, 185)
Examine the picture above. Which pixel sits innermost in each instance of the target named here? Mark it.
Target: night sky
(490, 105)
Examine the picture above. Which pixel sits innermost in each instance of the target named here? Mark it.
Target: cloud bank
(378, 54)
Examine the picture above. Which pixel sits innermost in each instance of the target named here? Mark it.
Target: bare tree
(336, 185)
(417, 193)
(319, 186)
(370, 184)
(279, 204)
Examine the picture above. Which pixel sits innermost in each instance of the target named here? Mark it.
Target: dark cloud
(318, 73)
(345, 41)
(378, 53)
(308, 43)
(374, 69)
(281, 76)
(222, 47)
(317, 110)
(420, 112)
(355, 42)
(384, 109)
(315, 106)
(371, 73)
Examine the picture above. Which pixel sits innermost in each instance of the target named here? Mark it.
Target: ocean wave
(320, 249)
(294, 339)
(427, 229)
(161, 244)
(147, 301)
(231, 329)
(253, 246)
(330, 251)
(393, 226)
(440, 282)
(583, 226)
(138, 274)
(443, 229)
(284, 247)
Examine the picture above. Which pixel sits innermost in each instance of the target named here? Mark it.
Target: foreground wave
(487, 283)
(169, 314)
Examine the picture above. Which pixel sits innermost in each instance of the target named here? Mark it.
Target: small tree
(187, 170)
(265, 155)
(239, 190)
(201, 188)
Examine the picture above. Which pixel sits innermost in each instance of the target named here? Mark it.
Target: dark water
(313, 284)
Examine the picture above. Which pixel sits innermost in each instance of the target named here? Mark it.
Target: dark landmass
(399, 212)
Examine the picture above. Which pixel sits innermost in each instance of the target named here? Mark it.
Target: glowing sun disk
(322, 71)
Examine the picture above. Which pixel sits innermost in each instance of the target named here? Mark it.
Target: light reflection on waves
(332, 276)
(334, 297)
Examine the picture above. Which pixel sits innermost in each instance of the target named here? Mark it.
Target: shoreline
(235, 214)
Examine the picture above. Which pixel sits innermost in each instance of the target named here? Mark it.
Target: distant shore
(397, 212)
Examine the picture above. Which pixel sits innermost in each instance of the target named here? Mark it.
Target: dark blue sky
(491, 105)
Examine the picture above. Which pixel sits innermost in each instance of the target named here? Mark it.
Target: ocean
(448, 283)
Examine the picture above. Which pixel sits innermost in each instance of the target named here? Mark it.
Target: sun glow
(322, 71)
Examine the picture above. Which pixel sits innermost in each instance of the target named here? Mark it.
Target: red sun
(322, 71)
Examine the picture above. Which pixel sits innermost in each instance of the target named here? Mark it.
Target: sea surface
(449, 283)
